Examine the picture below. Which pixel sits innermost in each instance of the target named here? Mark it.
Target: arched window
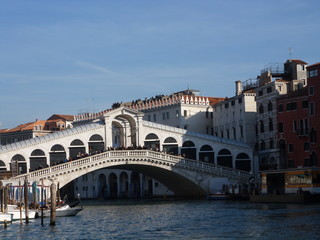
(261, 126)
(261, 108)
(271, 142)
(311, 109)
(2, 166)
(95, 137)
(243, 162)
(270, 108)
(270, 124)
(224, 158)
(188, 144)
(77, 142)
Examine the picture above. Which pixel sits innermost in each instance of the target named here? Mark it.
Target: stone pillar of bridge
(138, 129)
(108, 132)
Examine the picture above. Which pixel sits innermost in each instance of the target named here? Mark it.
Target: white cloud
(93, 66)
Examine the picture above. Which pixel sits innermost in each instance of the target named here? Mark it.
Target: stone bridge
(186, 162)
(185, 177)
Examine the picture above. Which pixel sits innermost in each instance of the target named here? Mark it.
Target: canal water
(173, 219)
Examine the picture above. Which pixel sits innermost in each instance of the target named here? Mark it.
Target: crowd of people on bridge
(84, 155)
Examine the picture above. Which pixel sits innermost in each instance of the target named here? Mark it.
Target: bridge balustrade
(125, 155)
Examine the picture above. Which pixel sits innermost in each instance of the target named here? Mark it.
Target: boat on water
(6, 217)
(15, 211)
(217, 196)
(63, 211)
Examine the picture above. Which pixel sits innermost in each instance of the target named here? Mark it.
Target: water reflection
(177, 220)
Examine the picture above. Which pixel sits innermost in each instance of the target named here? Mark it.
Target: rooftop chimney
(238, 87)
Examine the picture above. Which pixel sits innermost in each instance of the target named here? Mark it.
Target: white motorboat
(6, 217)
(63, 211)
(15, 211)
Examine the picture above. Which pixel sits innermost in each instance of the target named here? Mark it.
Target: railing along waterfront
(130, 156)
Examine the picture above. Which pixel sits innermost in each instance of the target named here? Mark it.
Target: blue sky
(68, 56)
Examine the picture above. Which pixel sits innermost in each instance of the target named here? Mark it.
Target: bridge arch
(243, 162)
(189, 150)
(37, 160)
(57, 154)
(170, 145)
(18, 164)
(152, 141)
(96, 143)
(77, 147)
(113, 185)
(102, 186)
(224, 158)
(2, 166)
(206, 154)
(124, 185)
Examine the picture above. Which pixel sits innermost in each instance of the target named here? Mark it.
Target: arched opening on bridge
(76, 148)
(124, 185)
(2, 166)
(117, 135)
(38, 160)
(125, 120)
(170, 146)
(57, 154)
(152, 141)
(113, 184)
(18, 165)
(224, 158)
(243, 162)
(102, 187)
(96, 144)
(135, 185)
(206, 154)
(188, 150)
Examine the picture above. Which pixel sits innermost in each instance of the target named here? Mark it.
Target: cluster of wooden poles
(4, 199)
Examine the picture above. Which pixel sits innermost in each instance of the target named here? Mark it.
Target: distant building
(235, 117)
(35, 129)
(275, 80)
(185, 109)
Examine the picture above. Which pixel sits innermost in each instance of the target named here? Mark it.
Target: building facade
(274, 81)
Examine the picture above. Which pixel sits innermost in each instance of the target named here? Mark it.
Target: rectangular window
(280, 108)
(177, 113)
(280, 127)
(168, 115)
(305, 104)
(149, 118)
(313, 73)
(163, 116)
(185, 113)
(290, 148)
(306, 146)
(311, 90)
(154, 117)
(269, 90)
(295, 125)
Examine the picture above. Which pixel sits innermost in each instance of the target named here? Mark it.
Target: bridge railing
(177, 161)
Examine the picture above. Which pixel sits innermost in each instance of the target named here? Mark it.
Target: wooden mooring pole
(26, 205)
(53, 190)
(42, 201)
(20, 199)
